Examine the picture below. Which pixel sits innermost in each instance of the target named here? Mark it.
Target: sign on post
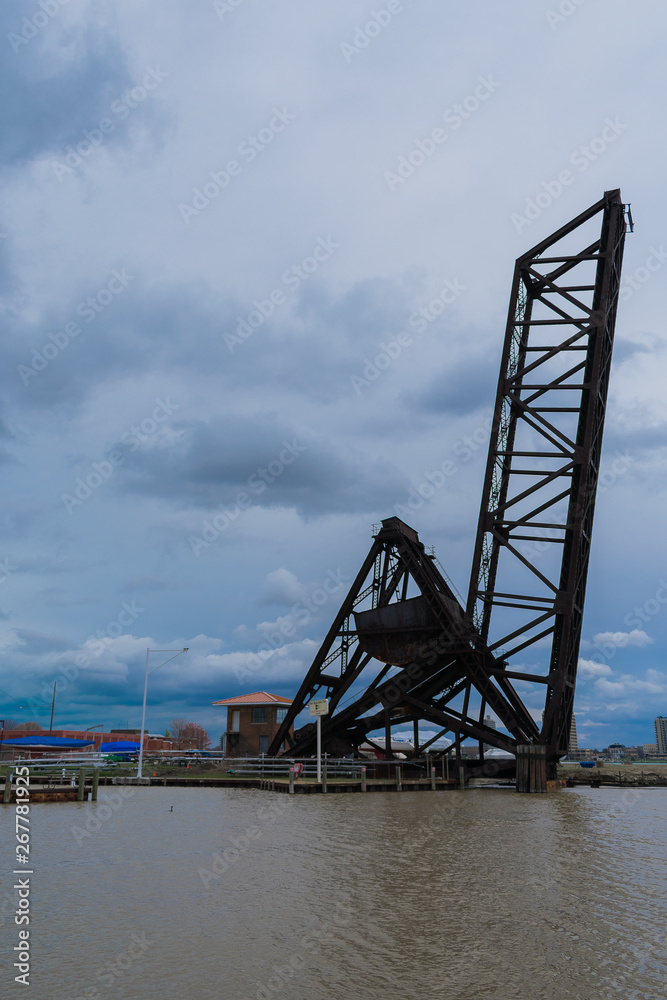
(319, 707)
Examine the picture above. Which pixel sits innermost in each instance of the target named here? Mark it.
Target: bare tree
(182, 730)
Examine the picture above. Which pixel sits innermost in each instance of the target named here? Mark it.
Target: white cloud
(280, 587)
(589, 668)
(621, 639)
(655, 683)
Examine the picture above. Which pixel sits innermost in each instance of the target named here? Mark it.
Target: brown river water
(247, 894)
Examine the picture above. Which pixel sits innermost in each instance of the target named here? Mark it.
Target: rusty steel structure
(403, 647)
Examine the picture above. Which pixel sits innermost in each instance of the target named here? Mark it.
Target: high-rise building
(572, 745)
(661, 735)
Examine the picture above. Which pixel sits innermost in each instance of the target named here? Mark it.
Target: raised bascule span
(403, 649)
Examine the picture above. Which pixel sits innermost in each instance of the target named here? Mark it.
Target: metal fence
(275, 766)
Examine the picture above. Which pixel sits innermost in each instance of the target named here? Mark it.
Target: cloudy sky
(214, 217)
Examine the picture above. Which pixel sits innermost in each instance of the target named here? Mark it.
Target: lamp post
(176, 652)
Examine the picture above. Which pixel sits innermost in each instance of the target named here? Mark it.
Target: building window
(236, 721)
(259, 714)
(281, 714)
(263, 744)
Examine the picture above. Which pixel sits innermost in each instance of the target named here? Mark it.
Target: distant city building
(252, 722)
(661, 735)
(491, 724)
(617, 750)
(649, 749)
(573, 745)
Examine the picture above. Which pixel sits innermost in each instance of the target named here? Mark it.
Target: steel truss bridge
(403, 648)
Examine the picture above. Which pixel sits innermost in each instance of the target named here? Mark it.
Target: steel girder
(402, 648)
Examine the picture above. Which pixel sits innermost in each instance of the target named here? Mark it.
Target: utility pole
(53, 705)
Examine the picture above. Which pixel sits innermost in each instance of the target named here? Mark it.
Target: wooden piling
(531, 768)
(363, 779)
(7, 794)
(462, 777)
(398, 778)
(433, 779)
(96, 781)
(82, 784)
(324, 776)
(291, 781)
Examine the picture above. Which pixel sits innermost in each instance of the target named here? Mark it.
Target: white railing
(273, 766)
(71, 761)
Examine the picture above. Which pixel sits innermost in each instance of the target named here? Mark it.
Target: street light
(176, 652)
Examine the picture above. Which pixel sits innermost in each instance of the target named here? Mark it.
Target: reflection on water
(241, 894)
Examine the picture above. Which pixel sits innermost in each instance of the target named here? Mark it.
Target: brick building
(252, 722)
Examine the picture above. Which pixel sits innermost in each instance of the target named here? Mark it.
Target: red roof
(256, 698)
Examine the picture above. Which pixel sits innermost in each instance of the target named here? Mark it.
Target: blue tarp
(37, 742)
(121, 746)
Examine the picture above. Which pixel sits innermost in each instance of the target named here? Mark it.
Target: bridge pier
(531, 768)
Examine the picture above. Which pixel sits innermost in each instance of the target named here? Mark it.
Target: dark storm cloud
(311, 347)
(460, 388)
(6, 434)
(55, 84)
(35, 643)
(274, 461)
(624, 350)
